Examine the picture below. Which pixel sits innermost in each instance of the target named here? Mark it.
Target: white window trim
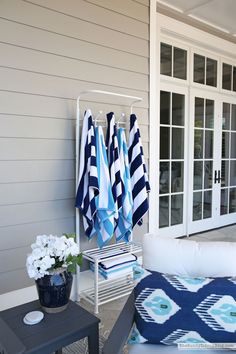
(165, 27)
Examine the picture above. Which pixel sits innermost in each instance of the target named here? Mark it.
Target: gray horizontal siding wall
(50, 51)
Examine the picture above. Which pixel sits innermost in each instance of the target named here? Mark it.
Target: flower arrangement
(50, 253)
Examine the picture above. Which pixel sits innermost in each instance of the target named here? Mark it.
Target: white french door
(173, 130)
(212, 165)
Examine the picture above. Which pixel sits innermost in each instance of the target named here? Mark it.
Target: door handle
(217, 176)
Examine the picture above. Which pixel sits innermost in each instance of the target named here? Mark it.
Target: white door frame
(162, 25)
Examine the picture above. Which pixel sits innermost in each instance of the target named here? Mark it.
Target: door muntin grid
(204, 113)
(171, 173)
(228, 159)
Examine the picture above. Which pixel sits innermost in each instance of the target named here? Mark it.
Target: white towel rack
(94, 293)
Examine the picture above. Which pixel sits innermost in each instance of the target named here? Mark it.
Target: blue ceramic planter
(54, 291)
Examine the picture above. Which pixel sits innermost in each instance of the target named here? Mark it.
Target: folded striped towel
(117, 271)
(122, 259)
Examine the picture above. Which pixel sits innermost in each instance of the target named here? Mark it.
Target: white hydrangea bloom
(48, 251)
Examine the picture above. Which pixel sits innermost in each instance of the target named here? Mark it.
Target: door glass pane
(198, 175)
(180, 63)
(207, 204)
(227, 77)
(233, 173)
(208, 174)
(226, 116)
(166, 59)
(199, 69)
(177, 177)
(165, 107)
(233, 145)
(233, 117)
(224, 202)
(164, 177)
(225, 145)
(209, 115)
(164, 211)
(234, 78)
(177, 109)
(177, 143)
(232, 200)
(211, 72)
(208, 144)
(224, 173)
(198, 144)
(199, 112)
(176, 209)
(197, 206)
(164, 143)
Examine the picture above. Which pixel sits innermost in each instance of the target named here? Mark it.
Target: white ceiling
(218, 14)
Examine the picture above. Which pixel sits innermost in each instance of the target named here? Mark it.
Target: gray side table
(54, 332)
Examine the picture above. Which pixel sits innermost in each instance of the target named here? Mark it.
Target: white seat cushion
(159, 349)
(189, 258)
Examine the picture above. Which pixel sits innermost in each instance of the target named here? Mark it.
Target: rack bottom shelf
(108, 292)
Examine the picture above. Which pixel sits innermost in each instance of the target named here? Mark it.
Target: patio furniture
(122, 328)
(51, 334)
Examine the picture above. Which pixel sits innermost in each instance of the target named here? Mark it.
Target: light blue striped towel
(114, 162)
(124, 226)
(104, 218)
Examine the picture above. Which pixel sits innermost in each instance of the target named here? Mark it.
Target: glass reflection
(197, 206)
(165, 107)
(226, 116)
(177, 143)
(224, 202)
(199, 69)
(164, 143)
(208, 174)
(233, 117)
(198, 144)
(208, 144)
(164, 211)
(232, 200)
(211, 72)
(164, 177)
(197, 179)
(207, 206)
(177, 177)
(209, 116)
(233, 146)
(234, 78)
(199, 112)
(166, 59)
(227, 76)
(225, 145)
(178, 109)
(176, 209)
(180, 63)
(224, 173)
(233, 172)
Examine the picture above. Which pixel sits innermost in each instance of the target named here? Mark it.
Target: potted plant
(51, 263)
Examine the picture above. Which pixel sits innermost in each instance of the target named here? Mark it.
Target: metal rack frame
(104, 291)
(109, 289)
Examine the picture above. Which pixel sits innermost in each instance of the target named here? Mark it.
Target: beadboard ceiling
(217, 14)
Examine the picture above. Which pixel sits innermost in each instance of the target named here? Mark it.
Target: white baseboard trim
(22, 296)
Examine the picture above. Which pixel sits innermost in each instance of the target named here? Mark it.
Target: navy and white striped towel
(124, 227)
(104, 218)
(114, 163)
(138, 173)
(88, 176)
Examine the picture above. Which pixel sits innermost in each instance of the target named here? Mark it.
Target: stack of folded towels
(116, 267)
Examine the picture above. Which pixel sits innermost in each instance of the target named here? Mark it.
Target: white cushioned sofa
(181, 258)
